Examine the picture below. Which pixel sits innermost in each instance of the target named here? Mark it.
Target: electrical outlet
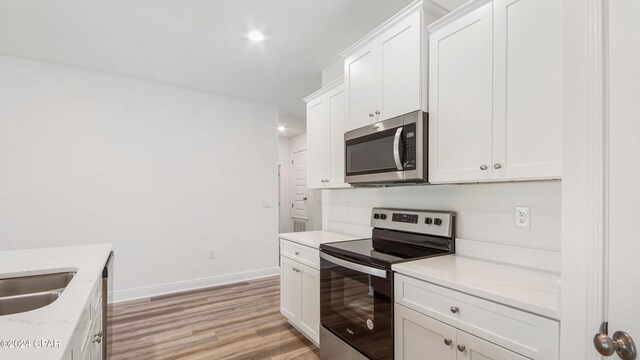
(211, 255)
(523, 217)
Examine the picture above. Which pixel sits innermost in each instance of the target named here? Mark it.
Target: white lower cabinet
(419, 337)
(434, 322)
(86, 343)
(300, 290)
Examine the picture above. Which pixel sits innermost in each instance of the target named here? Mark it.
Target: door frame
(584, 178)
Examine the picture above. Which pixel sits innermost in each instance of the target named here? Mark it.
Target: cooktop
(399, 235)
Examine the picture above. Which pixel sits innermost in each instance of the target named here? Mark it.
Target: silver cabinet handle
(97, 338)
(377, 112)
(297, 253)
(461, 348)
(497, 166)
(621, 343)
(396, 148)
(447, 342)
(454, 309)
(483, 167)
(370, 114)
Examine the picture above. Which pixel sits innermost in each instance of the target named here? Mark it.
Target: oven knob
(428, 220)
(437, 221)
(376, 216)
(383, 216)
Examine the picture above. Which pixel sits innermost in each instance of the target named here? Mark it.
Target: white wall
(165, 174)
(485, 212)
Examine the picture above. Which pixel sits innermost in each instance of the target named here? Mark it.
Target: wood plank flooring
(237, 321)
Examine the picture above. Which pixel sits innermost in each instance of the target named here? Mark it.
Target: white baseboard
(162, 289)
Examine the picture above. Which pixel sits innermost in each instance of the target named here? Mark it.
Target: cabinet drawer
(533, 336)
(303, 254)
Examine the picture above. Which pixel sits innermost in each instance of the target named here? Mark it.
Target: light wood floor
(238, 321)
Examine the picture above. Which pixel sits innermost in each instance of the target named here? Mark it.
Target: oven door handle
(396, 149)
(356, 267)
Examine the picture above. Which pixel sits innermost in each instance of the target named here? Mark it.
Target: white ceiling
(196, 44)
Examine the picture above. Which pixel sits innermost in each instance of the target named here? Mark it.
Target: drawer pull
(447, 342)
(461, 348)
(297, 253)
(454, 309)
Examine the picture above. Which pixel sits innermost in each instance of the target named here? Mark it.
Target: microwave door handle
(396, 149)
(356, 267)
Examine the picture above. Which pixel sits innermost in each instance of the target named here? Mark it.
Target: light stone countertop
(56, 321)
(531, 290)
(315, 238)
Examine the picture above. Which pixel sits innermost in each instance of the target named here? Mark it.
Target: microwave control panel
(410, 146)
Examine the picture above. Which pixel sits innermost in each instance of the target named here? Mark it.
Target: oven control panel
(439, 223)
(404, 218)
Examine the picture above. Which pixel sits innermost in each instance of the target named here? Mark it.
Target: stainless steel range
(356, 281)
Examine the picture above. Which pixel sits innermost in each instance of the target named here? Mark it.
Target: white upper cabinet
(325, 137)
(495, 92)
(336, 113)
(361, 85)
(383, 71)
(400, 68)
(528, 61)
(317, 140)
(460, 99)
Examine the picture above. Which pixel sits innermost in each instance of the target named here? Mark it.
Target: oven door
(386, 152)
(356, 304)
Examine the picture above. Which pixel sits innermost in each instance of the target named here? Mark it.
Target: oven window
(371, 154)
(354, 298)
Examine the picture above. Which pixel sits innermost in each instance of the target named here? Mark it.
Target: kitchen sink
(21, 294)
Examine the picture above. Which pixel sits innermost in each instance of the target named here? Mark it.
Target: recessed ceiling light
(281, 128)
(255, 36)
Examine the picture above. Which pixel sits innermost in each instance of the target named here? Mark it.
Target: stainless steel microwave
(388, 152)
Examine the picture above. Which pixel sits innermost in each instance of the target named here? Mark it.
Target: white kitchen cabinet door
(96, 347)
(528, 89)
(419, 337)
(470, 347)
(310, 302)
(401, 78)
(317, 144)
(460, 80)
(361, 71)
(290, 289)
(336, 110)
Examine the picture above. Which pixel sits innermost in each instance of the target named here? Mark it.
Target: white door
(460, 98)
(400, 52)
(317, 144)
(623, 272)
(361, 85)
(310, 302)
(528, 89)
(289, 289)
(300, 193)
(419, 337)
(336, 110)
(470, 347)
